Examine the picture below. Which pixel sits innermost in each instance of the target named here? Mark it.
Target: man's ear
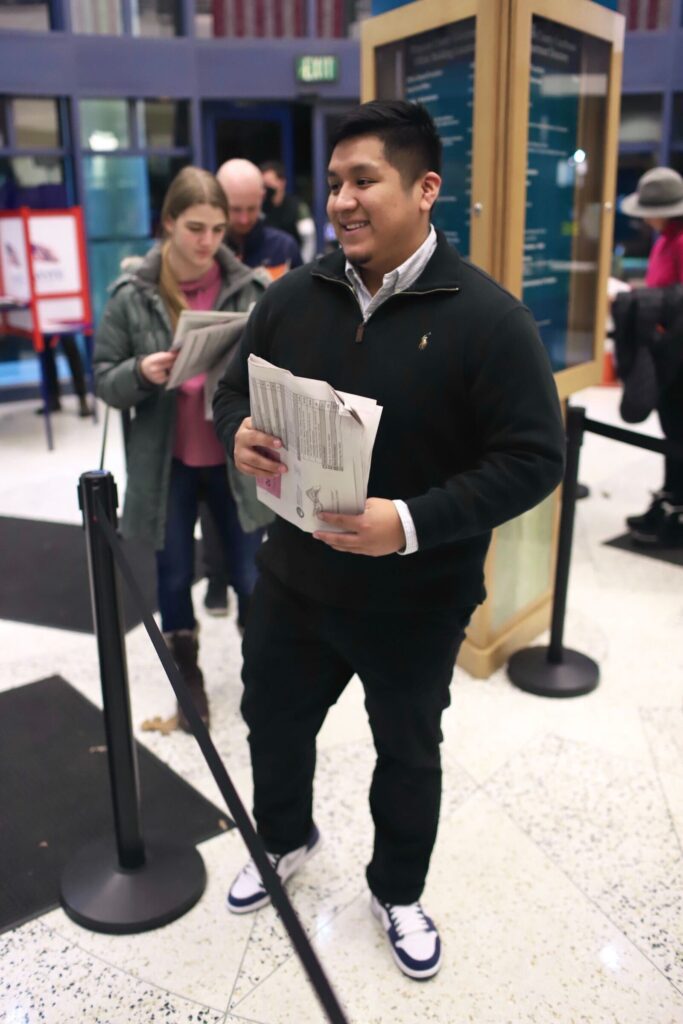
(429, 190)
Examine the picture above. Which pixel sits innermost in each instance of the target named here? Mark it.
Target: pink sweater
(665, 265)
(195, 442)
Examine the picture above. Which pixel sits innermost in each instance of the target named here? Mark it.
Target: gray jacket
(135, 323)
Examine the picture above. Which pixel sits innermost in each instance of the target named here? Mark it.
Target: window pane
(35, 181)
(116, 196)
(644, 17)
(29, 15)
(677, 125)
(96, 17)
(161, 171)
(36, 123)
(275, 20)
(641, 119)
(339, 18)
(155, 17)
(104, 124)
(163, 123)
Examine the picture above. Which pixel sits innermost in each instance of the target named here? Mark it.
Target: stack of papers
(327, 440)
(204, 341)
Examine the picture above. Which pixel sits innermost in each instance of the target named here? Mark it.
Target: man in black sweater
(470, 436)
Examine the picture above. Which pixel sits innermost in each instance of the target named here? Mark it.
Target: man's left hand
(376, 531)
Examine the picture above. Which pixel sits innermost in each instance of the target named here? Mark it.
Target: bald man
(256, 244)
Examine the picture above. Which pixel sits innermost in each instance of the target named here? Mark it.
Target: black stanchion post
(556, 671)
(122, 885)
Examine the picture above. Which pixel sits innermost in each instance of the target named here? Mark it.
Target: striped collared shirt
(397, 280)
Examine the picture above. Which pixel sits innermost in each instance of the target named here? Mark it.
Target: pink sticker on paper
(272, 484)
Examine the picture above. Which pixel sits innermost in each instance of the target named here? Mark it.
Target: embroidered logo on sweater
(424, 340)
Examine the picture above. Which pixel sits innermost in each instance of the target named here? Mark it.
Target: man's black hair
(277, 166)
(411, 141)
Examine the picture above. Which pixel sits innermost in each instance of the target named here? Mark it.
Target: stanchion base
(100, 895)
(531, 671)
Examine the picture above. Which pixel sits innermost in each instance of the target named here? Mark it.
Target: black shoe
(51, 407)
(83, 407)
(649, 520)
(216, 598)
(668, 531)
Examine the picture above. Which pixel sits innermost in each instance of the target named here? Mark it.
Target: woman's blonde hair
(191, 186)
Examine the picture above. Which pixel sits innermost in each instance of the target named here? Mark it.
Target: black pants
(68, 343)
(214, 556)
(670, 409)
(298, 657)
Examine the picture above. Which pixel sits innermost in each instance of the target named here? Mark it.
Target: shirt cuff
(408, 528)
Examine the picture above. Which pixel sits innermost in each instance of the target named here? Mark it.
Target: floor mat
(46, 572)
(624, 543)
(55, 796)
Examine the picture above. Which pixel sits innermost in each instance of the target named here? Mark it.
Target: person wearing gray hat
(658, 201)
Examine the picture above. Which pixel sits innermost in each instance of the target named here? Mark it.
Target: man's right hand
(256, 453)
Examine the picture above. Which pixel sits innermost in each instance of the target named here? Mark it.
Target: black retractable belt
(100, 513)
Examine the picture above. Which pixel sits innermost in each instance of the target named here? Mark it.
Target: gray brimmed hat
(660, 194)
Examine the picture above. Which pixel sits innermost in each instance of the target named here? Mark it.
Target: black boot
(666, 533)
(650, 519)
(83, 407)
(184, 647)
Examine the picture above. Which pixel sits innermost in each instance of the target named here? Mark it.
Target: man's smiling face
(378, 218)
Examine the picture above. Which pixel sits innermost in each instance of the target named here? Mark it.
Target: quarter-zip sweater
(471, 432)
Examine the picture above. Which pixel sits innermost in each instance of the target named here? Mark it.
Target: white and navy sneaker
(413, 937)
(248, 892)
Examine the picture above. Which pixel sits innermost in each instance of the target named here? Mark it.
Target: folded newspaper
(204, 340)
(327, 440)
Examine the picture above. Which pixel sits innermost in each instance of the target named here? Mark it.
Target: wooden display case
(525, 94)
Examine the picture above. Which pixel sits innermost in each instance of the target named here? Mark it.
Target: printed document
(327, 440)
(204, 340)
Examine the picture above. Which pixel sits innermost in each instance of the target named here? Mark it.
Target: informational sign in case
(567, 103)
(436, 69)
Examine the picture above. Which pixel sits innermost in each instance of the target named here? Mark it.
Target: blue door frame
(278, 113)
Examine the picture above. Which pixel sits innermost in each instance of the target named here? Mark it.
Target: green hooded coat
(136, 323)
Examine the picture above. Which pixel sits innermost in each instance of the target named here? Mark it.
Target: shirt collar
(401, 277)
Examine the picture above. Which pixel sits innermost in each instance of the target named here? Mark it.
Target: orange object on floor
(609, 376)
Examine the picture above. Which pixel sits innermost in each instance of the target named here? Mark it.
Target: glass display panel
(36, 123)
(26, 15)
(436, 68)
(641, 119)
(104, 125)
(96, 17)
(565, 167)
(235, 19)
(35, 181)
(155, 18)
(522, 563)
(163, 123)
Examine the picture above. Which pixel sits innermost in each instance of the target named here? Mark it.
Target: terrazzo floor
(557, 880)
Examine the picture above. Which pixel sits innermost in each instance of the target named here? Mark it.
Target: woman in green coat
(173, 454)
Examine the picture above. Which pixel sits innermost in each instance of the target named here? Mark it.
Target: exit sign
(316, 68)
